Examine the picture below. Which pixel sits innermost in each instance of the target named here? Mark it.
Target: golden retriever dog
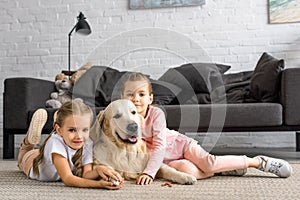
(118, 143)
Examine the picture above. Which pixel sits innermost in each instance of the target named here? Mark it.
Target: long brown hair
(73, 107)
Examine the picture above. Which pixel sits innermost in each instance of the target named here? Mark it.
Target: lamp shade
(82, 26)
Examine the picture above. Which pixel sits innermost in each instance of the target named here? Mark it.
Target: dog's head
(120, 122)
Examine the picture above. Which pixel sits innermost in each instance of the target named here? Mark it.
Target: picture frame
(284, 11)
(146, 4)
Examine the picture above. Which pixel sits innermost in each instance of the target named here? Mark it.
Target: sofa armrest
(22, 95)
(290, 96)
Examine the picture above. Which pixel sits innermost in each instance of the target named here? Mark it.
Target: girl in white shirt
(66, 154)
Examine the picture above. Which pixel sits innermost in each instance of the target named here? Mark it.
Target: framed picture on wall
(143, 4)
(284, 11)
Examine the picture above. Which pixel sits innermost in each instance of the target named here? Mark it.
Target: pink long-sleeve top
(158, 137)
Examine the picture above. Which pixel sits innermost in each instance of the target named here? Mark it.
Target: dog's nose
(132, 127)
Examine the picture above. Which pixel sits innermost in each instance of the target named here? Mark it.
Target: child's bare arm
(64, 171)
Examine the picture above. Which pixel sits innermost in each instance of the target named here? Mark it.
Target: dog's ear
(96, 128)
(100, 117)
(94, 132)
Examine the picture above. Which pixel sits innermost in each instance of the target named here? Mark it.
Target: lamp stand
(69, 72)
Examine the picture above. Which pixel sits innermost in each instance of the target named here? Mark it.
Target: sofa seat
(216, 116)
(224, 115)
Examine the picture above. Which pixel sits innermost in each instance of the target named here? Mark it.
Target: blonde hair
(69, 108)
(136, 76)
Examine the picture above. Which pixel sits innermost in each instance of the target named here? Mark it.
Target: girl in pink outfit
(181, 152)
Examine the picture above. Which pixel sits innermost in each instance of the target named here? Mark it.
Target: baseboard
(284, 153)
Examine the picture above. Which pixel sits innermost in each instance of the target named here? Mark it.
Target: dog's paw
(186, 179)
(190, 180)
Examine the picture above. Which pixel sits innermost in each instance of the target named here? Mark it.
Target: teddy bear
(63, 86)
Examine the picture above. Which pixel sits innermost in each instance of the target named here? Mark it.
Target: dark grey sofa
(22, 96)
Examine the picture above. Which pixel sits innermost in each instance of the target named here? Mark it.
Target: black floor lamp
(81, 27)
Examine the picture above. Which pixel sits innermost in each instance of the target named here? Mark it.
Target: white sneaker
(276, 166)
(38, 120)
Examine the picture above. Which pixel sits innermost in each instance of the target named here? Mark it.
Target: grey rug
(254, 185)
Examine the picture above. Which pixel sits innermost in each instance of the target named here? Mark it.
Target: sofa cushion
(100, 85)
(164, 92)
(237, 77)
(223, 115)
(195, 78)
(198, 76)
(237, 87)
(265, 81)
(88, 86)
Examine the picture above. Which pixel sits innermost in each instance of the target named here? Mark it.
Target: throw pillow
(164, 93)
(86, 86)
(97, 85)
(110, 84)
(194, 78)
(100, 85)
(237, 77)
(265, 81)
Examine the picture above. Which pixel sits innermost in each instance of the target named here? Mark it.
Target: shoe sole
(37, 123)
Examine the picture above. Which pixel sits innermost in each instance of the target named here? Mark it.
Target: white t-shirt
(56, 144)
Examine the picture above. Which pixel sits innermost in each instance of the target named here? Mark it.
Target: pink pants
(196, 161)
(27, 153)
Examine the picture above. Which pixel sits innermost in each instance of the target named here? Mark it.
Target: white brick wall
(33, 37)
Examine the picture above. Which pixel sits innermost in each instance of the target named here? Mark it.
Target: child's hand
(144, 179)
(106, 172)
(109, 185)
